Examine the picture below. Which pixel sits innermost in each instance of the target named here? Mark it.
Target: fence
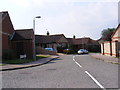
(111, 48)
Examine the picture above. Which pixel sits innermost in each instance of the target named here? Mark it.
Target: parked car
(66, 50)
(51, 49)
(82, 51)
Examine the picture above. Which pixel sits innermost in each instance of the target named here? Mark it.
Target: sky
(82, 18)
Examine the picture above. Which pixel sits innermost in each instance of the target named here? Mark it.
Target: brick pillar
(117, 51)
(110, 48)
(103, 48)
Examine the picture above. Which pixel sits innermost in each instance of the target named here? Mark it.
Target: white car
(82, 51)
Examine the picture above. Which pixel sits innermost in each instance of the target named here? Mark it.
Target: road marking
(73, 59)
(94, 80)
(73, 56)
(78, 64)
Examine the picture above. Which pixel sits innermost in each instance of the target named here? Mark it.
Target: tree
(107, 33)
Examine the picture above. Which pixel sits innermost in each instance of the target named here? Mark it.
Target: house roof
(106, 38)
(42, 39)
(56, 38)
(23, 34)
(48, 38)
(78, 41)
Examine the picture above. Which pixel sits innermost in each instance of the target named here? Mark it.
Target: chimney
(48, 33)
(74, 36)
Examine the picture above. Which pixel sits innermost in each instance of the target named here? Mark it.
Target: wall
(107, 48)
(7, 29)
(27, 48)
(110, 48)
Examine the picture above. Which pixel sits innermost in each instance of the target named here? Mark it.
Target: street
(68, 71)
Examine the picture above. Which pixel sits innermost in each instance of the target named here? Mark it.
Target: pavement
(105, 58)
(8, 67)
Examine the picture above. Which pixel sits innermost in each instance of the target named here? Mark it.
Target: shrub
(94, 48)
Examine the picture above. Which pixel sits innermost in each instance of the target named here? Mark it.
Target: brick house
(15, 42)
(83, 43)
(51, 41)
(112, 48)
(23, 43)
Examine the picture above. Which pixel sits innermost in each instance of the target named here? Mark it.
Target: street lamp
(34, 51)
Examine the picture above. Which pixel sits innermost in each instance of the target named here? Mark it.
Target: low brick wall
(40, 50)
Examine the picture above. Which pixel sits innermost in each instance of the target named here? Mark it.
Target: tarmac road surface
(68, 71)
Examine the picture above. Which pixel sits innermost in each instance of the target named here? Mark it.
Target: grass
(18, 61)
(2, 64)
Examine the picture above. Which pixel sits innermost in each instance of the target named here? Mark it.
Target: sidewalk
(27, 65)
(106, 58)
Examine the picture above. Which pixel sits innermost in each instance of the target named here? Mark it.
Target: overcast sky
(82, 18)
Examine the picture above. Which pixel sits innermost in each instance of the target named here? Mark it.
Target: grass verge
(18, 61)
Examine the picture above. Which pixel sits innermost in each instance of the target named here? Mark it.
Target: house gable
(116, 34)
(7, 26)
(62, 40)
(7, 30)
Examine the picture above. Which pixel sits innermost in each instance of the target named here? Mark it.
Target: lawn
(18, 61)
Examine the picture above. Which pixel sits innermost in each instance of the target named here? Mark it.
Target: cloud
(86, 20)
(22, 3)
(70, 17)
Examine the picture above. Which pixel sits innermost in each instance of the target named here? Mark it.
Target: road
(68, 71)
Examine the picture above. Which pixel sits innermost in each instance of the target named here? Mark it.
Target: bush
(72, 50)
(94, 48)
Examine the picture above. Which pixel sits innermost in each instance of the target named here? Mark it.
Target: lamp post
(34, 51)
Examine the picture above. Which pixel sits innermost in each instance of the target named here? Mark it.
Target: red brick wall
(27, 48)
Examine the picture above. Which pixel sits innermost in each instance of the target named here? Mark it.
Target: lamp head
(38, 17)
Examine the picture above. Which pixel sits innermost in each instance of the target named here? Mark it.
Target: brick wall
(7, 30)
(26, 47)
(110, 48)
